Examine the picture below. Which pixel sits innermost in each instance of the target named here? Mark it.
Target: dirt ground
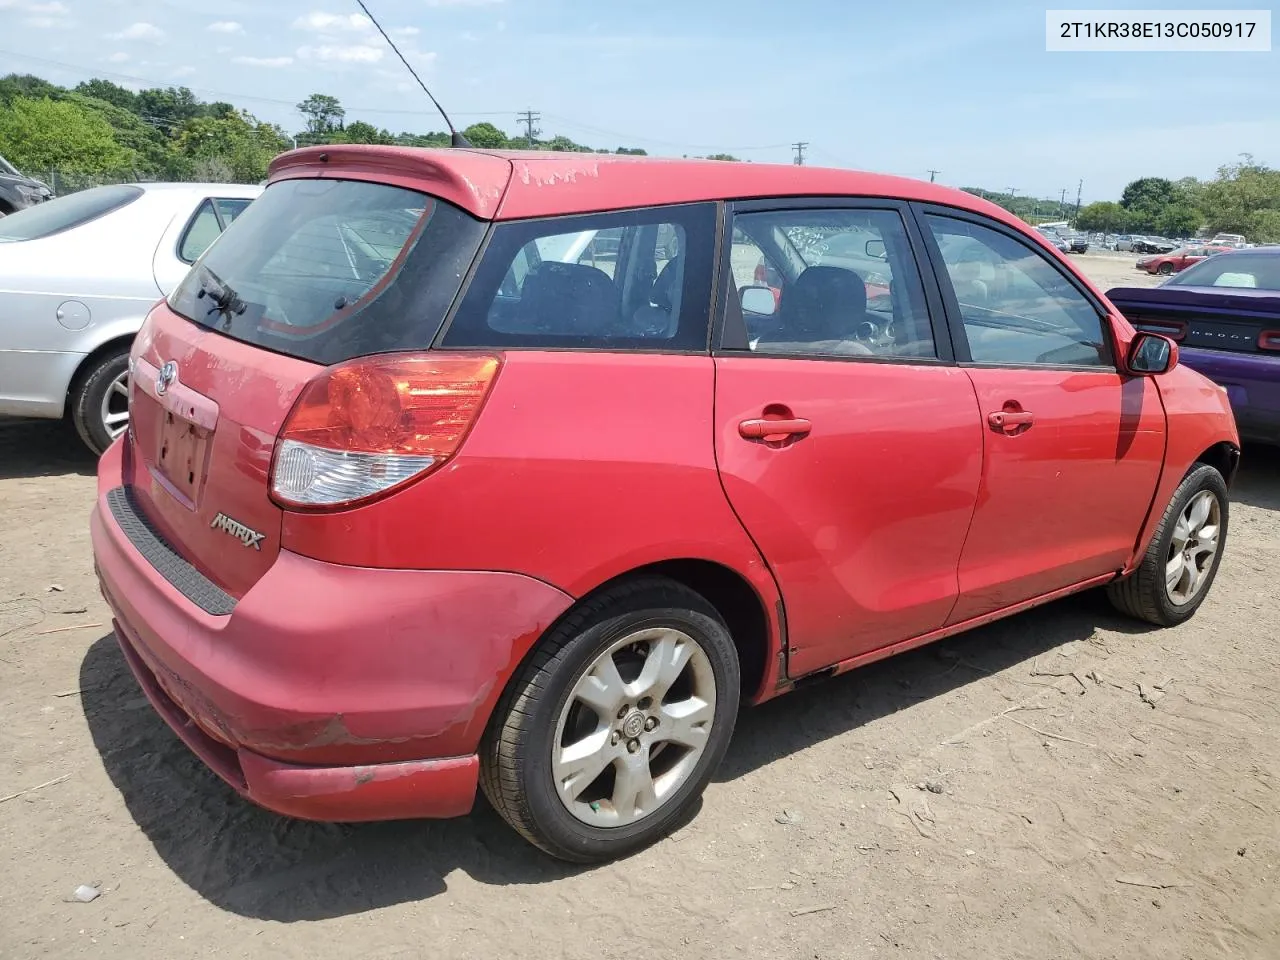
(1062, 784)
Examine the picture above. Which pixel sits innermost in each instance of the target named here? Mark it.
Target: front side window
(326, 270)
(816, 282)
(636, 279)
(1016, 306)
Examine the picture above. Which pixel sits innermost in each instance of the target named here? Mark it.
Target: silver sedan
(77, 277)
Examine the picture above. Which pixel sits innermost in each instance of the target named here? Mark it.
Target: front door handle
(1011, 421)
(774, 429)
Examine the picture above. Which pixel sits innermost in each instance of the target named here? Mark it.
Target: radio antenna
(455, 138)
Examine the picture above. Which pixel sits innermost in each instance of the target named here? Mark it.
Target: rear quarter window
(628, 280)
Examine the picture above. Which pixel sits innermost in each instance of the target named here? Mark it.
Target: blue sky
(899, 86)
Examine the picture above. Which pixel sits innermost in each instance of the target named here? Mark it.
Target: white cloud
(263, 61)
(54, 9)
(118, 57)
(225, 26)
(320, 22)
(462, 3)
(184, 71)
(139, 31)
(356, 53)
(405, 31)
(41, 15)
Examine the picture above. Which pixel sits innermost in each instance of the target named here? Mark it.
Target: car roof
(508, 185)
(236, 190)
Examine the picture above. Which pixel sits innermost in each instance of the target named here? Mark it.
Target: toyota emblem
(166, 377)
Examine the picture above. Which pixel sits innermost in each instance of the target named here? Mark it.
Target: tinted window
(605, 281)
(326, 270)
(844, 283)
(73, 210)
(1017, 307)
(1256, 271)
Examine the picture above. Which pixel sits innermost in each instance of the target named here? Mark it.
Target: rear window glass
(1252, 271)
(635, 279)
(326, 270)
(73, 210)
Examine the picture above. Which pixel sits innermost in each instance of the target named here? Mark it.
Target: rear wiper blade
(224, 298)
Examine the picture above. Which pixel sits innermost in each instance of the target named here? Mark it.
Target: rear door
(1072, 448)
(848, 445)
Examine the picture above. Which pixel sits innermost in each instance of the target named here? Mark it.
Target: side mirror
(1151, 355)
(758, 300)
(876, 250)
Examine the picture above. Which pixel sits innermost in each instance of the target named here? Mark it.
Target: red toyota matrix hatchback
(455, 469)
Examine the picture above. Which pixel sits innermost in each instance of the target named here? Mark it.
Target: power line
(799, 149)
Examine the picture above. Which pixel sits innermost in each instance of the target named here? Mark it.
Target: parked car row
(18, 191)
(401, 516)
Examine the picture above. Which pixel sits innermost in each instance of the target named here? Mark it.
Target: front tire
(1165, 270)
(1178, 569)
(608, 734)
(100, 400)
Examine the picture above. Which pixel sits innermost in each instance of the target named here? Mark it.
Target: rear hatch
(316, 272)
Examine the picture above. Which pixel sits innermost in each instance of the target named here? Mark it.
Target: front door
(1073, 448)
(848, 445)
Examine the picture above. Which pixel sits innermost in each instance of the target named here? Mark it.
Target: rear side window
(210, 220)
(637, 279)
(64, 213)
(326, 270)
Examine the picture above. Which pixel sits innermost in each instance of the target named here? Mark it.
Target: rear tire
(1177, 571)
(573, 777)
(97, 400)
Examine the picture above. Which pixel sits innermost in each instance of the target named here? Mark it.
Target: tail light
(1269, 340)
(365, 428)
(1173, 329)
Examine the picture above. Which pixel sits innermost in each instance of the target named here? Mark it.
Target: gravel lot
(1062, 784)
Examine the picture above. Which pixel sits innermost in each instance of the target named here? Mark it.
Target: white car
(77, 277)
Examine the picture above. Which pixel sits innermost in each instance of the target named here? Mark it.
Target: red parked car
(1177, 261)
(420, 492)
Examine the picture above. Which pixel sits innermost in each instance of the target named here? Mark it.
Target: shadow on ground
(257, 864)
(1258, 482)
(42, 448)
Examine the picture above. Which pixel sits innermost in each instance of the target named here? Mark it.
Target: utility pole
(529, 118)
(799, 149)
(1013, 192)
(1062, 203)
(933, 174)
(1079, 190)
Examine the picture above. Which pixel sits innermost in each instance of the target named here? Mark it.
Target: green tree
(632, 152)
(324, 113)
(486, 136)
(239, 142)
(724, 156)
(44, 134)
(26, 85)
(564, 145)
(361, 132)
(169, 106)
(1146, 201)
(1244, 198)
(1105, 216)
(109, 92)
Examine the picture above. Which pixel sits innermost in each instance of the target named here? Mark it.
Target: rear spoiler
(1240, 301)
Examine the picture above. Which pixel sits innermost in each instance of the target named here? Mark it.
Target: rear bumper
(1252, 382)
(328, 692)
(34, 383)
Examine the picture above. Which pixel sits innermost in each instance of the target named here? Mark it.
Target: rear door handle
(774, 429)
(1010, 420)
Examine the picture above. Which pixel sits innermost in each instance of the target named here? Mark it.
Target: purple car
(1224, 312)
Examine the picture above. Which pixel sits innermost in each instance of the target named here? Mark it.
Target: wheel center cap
(633, 726)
